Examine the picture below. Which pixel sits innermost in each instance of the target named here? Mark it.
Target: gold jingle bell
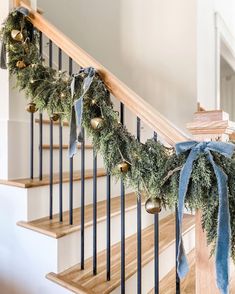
(153, 205)
(123, 167)
(97, 123)
(20, 64)
(55, 116)
(17, 35)
(31, 107)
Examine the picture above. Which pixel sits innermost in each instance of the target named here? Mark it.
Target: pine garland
(154, 169)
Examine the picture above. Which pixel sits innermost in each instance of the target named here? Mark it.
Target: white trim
(224, 46)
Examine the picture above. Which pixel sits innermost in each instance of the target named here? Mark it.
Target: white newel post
(14, 121)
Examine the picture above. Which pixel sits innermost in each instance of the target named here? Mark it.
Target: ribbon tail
(78, 105)
(3, 56)
(185, 174)
(224, 231)
(73, 134)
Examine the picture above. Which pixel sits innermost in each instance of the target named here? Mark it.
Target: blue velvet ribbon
(3, 52)
(223, 228)
(77, 109)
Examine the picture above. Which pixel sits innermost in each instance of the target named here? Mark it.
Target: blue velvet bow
(77, 109)
(224, 230)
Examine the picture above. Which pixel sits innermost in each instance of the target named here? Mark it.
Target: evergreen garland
(154, 169)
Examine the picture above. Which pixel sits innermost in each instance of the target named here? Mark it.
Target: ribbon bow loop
(224, 231)
(77, 108)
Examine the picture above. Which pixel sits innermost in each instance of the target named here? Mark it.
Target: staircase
(70, 227)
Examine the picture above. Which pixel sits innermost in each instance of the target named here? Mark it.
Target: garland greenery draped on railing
(150, 167)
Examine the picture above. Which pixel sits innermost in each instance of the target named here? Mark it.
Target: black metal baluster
(60, 150)
(156, 253)
(40, 124)
(94, 213)
(61, 169)
(50, 54)
(31, 145)
(156, 246)
(51, 143)
(122, 219)
(177, 280)
(108, 203)
(51, 168)
(70, 166)
(139, 235)
(82, 200)
(40, 43)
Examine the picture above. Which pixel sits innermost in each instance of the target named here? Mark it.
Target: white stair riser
(68, 246)
(38, 198)
(76, 161)
(166, 264)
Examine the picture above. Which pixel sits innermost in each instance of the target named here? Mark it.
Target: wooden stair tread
(29, 183)
(57, 146)
(55, 229)
(83, 281)
(47, 122)
(187, 285)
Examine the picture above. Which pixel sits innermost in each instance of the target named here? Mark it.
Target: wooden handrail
(167, 131)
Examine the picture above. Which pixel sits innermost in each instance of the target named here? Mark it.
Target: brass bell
(97, 123)
(153, 205)
(31, 107)
(55, 116)
(20, 64)
(123, 166)
(17, 35)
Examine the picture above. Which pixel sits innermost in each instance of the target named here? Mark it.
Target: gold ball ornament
(17, 35)
(97, 123)
(153, 205)
(123, 166)
(20, 64)
(31, 107)
(55, 116)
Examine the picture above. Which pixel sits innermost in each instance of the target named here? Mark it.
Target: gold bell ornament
(97, 123)
(153, 205)
(20, 64)
(55, 116)
(123, 166)
(31, 107)
(17, 35)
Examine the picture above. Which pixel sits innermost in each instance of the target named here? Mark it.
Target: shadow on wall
(150, 45)
(8, 287)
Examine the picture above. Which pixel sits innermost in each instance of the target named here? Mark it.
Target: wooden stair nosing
(63, 282)
(28, 183)
(98, 284)
(57, 146)
(53, 228)
(47, 122)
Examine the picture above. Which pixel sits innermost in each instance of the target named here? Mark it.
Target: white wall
(206, 42)
(150, 45)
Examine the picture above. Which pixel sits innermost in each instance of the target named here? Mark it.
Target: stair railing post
(207, 126)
